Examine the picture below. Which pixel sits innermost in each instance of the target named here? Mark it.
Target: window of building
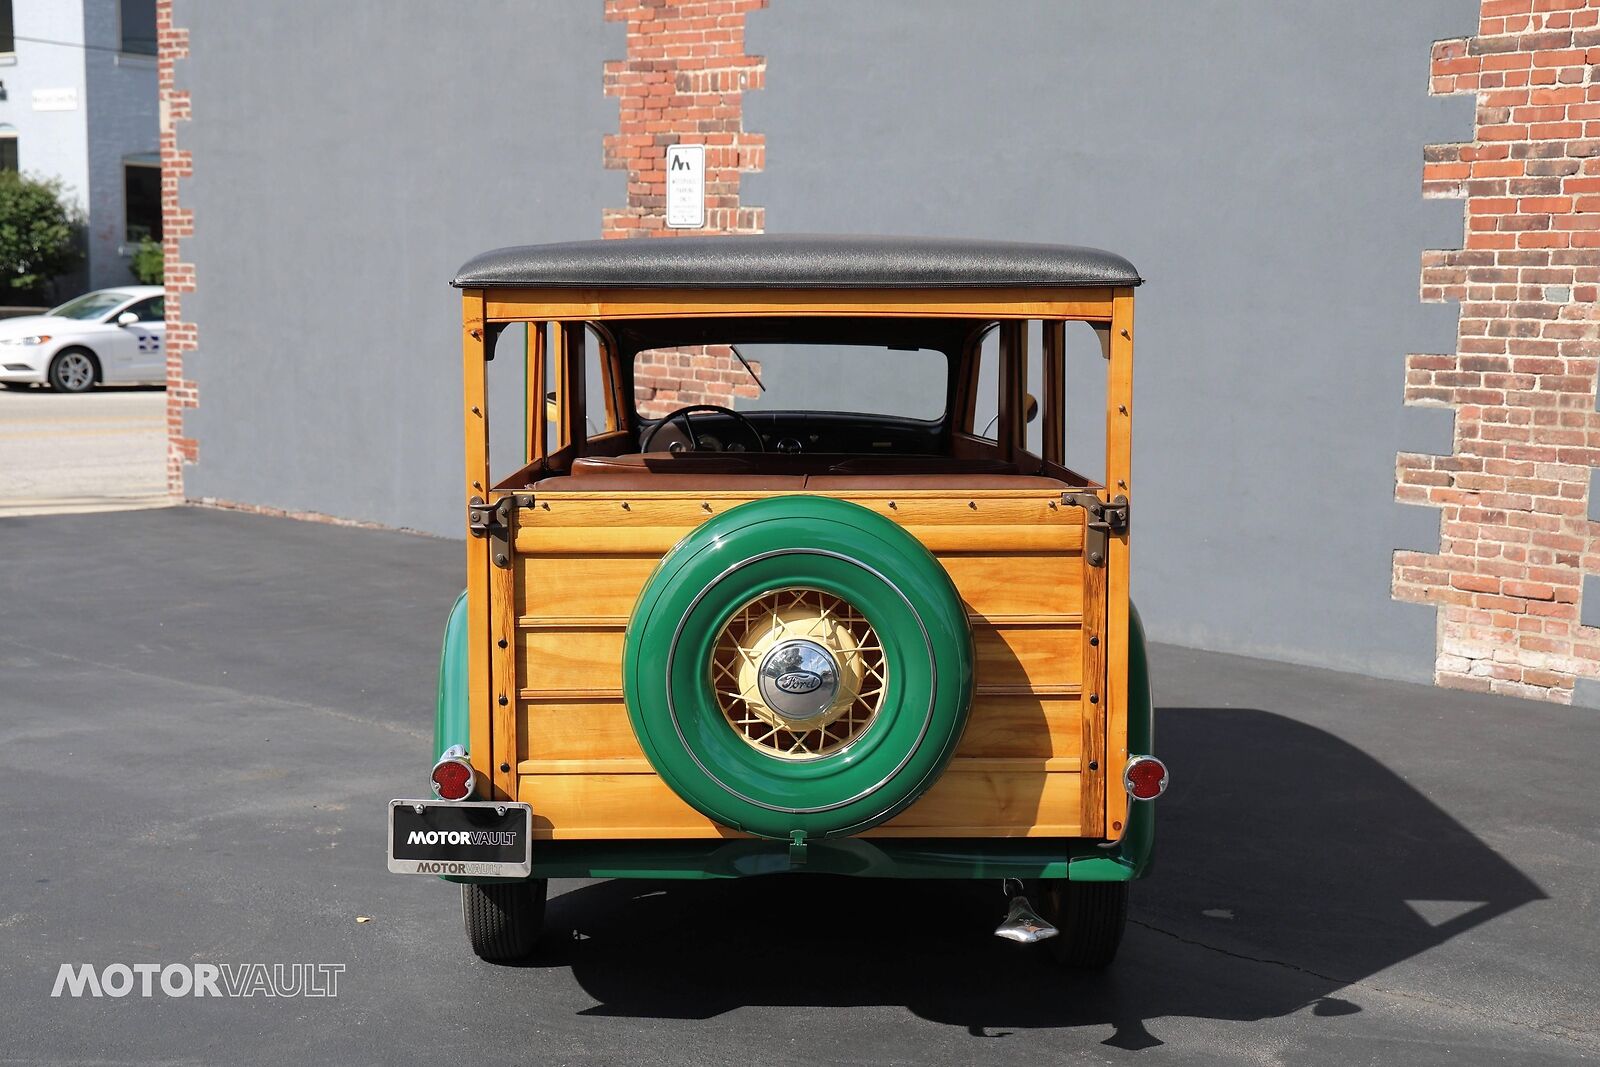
(8, 146)
(141, 184)
(138, 26)
(8, 36)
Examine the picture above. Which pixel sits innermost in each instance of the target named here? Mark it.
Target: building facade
(78, 102)
(1382, 246)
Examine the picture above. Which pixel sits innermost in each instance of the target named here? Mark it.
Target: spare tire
(798, 664)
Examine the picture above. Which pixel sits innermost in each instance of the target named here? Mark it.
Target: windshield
(91, 305)
(862, 379)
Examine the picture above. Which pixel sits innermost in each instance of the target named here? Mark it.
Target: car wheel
(73, 371)
(503, 921)
(798, 667)
(1091, 917)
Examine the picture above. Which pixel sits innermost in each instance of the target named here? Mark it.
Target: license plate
(486, 839)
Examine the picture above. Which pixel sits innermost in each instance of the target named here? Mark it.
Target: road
(99, 451)
(203, 713)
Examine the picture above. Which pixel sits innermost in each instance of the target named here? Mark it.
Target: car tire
(1091, 917)
(74, 370)
(503, 921)
(883, 624)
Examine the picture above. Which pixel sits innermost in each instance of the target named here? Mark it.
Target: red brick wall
(176, 223)
(683, 82)
(1515, 538)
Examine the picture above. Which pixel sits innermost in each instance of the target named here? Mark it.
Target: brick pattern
(683, 82)
(1515, 540)
(176, 224)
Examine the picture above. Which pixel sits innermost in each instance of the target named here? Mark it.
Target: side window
(599, 406)
(986, 409)
(151, 309)
(138, 18)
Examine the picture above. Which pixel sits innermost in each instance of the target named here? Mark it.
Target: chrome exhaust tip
(1022, 924)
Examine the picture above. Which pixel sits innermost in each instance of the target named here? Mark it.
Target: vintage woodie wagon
(861, 617)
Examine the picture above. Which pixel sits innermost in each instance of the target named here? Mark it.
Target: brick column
(1515, 539)
(683, 82)
(176, 223)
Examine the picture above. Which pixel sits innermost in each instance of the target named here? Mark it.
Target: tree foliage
(40, 231)
(148, 263)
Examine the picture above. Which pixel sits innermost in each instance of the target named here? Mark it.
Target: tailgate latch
(1102, 520)
(494, 522)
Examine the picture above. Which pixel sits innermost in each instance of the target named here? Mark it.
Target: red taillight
(453, 779)
(1145, 778)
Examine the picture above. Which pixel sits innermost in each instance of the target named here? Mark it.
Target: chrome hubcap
(798, 679)
(76, 370)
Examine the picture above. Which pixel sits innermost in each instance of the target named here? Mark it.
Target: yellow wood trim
(570, 696)
(1093, 706)
(1026, 690)
(538, 432)
(958, 765)
(503, 677)
(1119, 479)
(1053, 432)
(476, 423)
(521, 305)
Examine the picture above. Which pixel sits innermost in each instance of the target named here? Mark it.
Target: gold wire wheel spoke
(818, 617)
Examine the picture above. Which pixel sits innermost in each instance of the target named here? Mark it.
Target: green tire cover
(786, 543)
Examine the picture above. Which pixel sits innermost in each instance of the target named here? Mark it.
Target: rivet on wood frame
(545, 504)
(477, 485)
(504, 767)
(1094, 698)
(973, 504)
(1116, 826)
(1052, 505)
(476, 412)
(1094, 642)
(502, 642)
(892, 505)
(1125, 333)
(1122, 408)
(500, 559)
(1121, 484)
(705, 505)
(477, 335)
(625, 506)
(503, 700)
(1094, 765)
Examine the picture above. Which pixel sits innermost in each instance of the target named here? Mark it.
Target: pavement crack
(227, 691)
(1242, 955)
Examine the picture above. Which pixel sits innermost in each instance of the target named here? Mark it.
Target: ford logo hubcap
(798, 679)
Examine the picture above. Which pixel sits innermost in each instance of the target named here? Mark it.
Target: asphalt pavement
(203, 714)
(104, 450)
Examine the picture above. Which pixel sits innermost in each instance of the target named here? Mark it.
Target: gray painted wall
(1261, 163)
(340, 178)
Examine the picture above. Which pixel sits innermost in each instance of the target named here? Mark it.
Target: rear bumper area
(1072, 859)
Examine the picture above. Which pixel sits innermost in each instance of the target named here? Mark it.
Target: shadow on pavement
(1289, 864)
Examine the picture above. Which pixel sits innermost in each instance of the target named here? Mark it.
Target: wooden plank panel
(503, 678)
(567, 586)
(1027, 656)
(578, 730)
(625, 540)
(1093, 704)
(1001, 584)
(979, 803)
(991, 804)
(552, 661)
(1119, 431)
(1024, 725)
(475, 419)
(920, 507)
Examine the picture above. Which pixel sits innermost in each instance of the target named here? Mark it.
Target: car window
(150, 309)
(90, 305)
(862, 379)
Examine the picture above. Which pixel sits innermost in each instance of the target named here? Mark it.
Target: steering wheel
(688, 423)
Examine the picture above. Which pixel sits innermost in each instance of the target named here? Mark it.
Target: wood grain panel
(553, 661)
(558, 587)
(1028, 802)
(578, 730)
(1028, 656)
(920, 507)
(1022, 726)
(1004, 584)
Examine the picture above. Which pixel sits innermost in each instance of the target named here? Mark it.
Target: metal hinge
(495, 524)
(1102, 521)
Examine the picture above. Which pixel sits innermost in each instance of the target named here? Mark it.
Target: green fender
(450, 709)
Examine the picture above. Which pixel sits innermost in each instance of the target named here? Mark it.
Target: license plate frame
(449, 848)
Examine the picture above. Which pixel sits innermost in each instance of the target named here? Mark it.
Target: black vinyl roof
(795, 261)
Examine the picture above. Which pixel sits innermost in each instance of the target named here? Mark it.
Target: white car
(110, 336)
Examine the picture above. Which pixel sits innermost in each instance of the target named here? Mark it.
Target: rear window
(859, 379)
